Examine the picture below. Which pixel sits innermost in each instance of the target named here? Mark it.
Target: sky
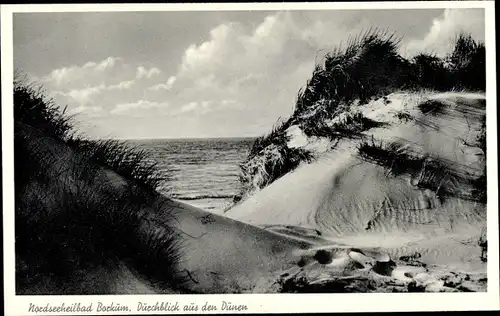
(201, 74)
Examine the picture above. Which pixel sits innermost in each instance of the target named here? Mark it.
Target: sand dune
(356, 202)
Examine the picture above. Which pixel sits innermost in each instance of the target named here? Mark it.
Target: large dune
(345, 198)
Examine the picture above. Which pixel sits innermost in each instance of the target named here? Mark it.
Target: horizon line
(173, 138)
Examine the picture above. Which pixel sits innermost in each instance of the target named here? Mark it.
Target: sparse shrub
(269, 159)
(276, 136)
(347, 124)
(32, 107)
(431, 72)
(479, 185)
(426, 172)
(432, 107)
(392, 155)
(481, 139)
(467, 63)
(128, 162)
(483, 244)
(369, 66)
(404, 116)
(274, 162)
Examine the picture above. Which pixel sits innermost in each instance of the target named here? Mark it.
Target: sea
(202, 172)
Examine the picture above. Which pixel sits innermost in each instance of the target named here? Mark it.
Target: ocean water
(203, 172)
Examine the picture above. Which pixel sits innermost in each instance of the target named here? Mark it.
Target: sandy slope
(353, 201)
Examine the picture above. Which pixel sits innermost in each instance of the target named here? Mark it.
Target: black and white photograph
(212, 149)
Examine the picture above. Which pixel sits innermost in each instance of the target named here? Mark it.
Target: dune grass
(403, 116)
(32, 107)
(71, 218)
(346, 125)
(425, 171)
(123, 159)
(432, 107)
(268, 165)
(277, 136)
(367, 67)
(479, 185)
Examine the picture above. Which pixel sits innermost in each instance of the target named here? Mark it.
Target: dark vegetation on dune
(479, 184)
(33, 108)
(426, 172)
(367, 67)
(73, 227)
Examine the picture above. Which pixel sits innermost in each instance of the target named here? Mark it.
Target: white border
(258, 303)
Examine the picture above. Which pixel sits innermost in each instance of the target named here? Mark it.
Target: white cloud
(89, 111)
(62, 76)
(106, 64)
(86, 96)
(121, 86)
(171, 80)
(198, 107)
(137, 108)
(143, 72)
(81, 96)
(164, 86)
(87, 87)
(256, 67)
(191, 106)
(207, 106)
(442, 33)
(228, 102)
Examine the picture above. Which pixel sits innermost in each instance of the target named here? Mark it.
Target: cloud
(164, 86)
(88, 95)
(228, 102)
(171, 80)
(121, 86)
(189, 107)
(138, 108)
(444, 29)
(93, 88)
(241, 75)
(61, 76)
(106, 64)
(261, 68)
(207, 106)
(143, 72)
(197, 107)
(81, 96)
(89, 111)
